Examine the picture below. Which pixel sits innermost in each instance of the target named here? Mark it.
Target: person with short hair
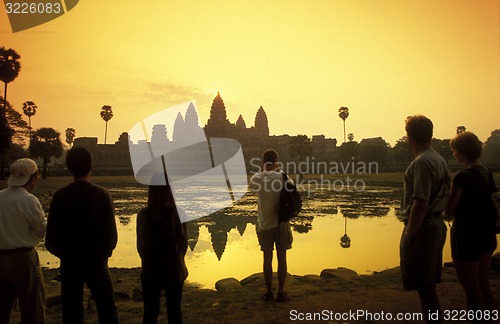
(270, 232)
(473, 238)
(426, 191)
(81, 232)
(22, 226)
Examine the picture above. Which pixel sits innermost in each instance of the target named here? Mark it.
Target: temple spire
(240, 123)
(261, 124)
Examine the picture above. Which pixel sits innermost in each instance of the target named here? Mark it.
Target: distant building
(115, 158)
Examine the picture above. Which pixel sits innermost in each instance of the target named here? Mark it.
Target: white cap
(21, 171)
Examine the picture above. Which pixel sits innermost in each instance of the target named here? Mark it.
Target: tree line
(44, 142)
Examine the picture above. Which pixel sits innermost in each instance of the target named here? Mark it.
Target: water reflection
(218, 225)
(372, 202)
(224, 244)
(345, 240)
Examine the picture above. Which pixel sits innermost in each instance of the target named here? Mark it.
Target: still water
(225, 244)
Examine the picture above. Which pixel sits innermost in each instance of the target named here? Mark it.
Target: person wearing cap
(81, 232)
(22, 226)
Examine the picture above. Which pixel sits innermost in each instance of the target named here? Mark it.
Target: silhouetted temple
(115, 158)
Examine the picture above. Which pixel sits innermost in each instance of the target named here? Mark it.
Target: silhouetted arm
(53, 240)
(456, 193)
(254, 184)
(110, 232)
(417, 216)
(38, 222)
(184, 242)
(140, 233)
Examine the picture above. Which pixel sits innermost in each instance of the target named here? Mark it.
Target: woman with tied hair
(473, 238)
(162, 245)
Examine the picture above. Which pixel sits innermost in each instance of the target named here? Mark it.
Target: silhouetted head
(160, 198)
(79, 161)
(468, 145)
(419, 129)
(269, 158)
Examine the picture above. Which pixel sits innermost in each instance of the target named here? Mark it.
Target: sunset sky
(300, 60)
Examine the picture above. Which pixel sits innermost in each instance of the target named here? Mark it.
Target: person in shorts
(270, 232)
(426, 191)
(473, 238)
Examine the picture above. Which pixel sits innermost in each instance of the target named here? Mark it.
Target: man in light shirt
(22, 226)
(268, 184)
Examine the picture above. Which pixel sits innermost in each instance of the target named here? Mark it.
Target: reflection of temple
(219, 224)
(115, 158)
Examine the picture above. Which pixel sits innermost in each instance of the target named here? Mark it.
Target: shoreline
(333, 291)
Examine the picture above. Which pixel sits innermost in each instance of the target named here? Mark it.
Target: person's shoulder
(256, 175)
(428, 158)
(143, 211)
(31, 197)
(97, 188)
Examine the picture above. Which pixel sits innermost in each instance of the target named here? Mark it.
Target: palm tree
(9, 70)
(344, 113)
(106, 114)
(350, 137)
(45, 144)
(460, 129)
(70, 135)
(29, 109)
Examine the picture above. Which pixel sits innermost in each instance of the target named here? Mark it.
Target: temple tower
(261, 124)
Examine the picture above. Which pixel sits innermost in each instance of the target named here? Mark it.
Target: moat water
(225, 244)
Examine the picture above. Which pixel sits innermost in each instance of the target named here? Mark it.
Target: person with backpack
(473, 238)
(268, 184)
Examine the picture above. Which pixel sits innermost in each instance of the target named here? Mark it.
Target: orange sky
(300, 60)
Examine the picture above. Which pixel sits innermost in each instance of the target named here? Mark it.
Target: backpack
(290, 202)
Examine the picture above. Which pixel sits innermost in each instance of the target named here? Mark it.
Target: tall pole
(29, 119)
(106, 132)
(344, 130)
(5, 102)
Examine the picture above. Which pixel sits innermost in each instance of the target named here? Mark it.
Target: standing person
(81, 231)
(426, 190)
(22, 226)
(268, 184)
(473, 238)
(162, 244)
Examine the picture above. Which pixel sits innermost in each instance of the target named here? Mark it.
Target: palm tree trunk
(4, 112)
(5, 102)
(29, 119)
(106, 133)
(344, 130)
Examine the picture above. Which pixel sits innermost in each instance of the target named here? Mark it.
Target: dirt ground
(334, 296)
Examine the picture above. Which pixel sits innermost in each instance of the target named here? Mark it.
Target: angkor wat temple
(115, 158)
